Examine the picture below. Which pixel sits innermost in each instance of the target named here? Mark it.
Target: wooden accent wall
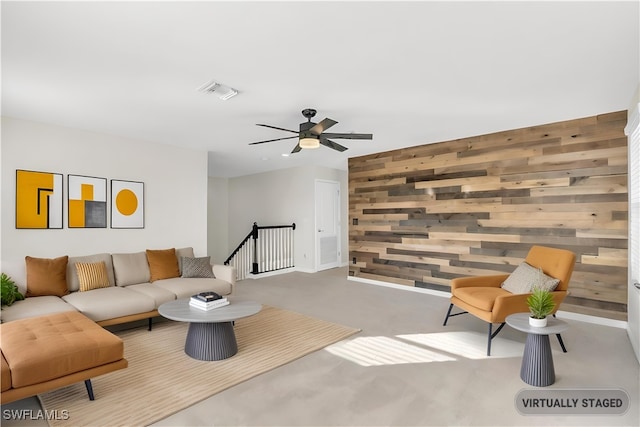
(423, 215)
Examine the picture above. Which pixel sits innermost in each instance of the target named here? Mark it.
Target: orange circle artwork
(126, 202)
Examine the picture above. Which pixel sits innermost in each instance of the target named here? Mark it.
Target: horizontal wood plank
(424, 215)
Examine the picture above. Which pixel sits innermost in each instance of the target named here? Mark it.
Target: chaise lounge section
(43, 353)
(55, 336)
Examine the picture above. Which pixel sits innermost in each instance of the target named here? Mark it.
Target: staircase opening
(265, 249)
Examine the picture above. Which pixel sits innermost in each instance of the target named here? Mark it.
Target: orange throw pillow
(163, 264)
(47, 276)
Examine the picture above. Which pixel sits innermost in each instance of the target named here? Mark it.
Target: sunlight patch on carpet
(470, 345)
(423, 348)
(377, 351)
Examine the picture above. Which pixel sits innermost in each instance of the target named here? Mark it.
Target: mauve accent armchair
(484, 297)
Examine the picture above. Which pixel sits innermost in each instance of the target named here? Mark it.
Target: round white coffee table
(210, 335)
(537, 362)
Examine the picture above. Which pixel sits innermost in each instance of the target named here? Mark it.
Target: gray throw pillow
(525, 278)
(197, 267)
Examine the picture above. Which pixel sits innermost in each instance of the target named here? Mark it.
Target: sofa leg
(150, 322)
(87, 384)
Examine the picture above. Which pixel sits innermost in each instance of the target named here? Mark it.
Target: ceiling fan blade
(349, 135)
(322, 126)
(296, 149)
(271, 140)
(275, 127)
(328, 143)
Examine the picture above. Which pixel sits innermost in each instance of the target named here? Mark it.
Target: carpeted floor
(161, 379)
(448, 381)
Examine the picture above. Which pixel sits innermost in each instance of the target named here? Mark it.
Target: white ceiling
(411, 73)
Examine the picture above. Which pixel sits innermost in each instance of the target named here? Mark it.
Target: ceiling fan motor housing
(305, 130)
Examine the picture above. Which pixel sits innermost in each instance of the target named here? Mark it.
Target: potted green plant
(540, 305)
(9, 291)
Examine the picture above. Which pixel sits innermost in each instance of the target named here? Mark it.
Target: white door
(633, 307)
(327, 224)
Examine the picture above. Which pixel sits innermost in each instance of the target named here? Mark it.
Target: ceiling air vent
(222, 91)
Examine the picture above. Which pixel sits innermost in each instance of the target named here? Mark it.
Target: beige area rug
(161, 379)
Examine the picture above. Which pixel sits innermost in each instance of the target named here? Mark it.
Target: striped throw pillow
(92, 275)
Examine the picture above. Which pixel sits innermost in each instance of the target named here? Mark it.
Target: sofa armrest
(225, 272)
(478, 281)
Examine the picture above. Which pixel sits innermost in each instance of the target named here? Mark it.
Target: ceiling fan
(312, 135)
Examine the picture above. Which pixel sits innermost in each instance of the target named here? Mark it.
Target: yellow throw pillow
(46, 276)
(163, 264)
(92, 275)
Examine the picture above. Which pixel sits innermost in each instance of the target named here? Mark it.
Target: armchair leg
(451, 315)
(490, 336)
(448, 314)
(564, 349)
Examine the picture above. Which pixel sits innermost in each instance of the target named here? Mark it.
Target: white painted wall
(175, 190)
(283, 197)
(218, 220)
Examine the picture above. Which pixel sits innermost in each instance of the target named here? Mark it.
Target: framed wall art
(87, 206)
(38, 199)
(127, 204)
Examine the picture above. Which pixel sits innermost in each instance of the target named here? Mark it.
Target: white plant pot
(538, 323)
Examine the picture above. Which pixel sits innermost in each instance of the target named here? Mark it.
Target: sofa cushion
(130, 269)
(35, 306)
(92, 275)
(526, 277)
(49, 347)
(110, 303)
(197, 267)
(163, 264)
(158, 294)
(46, 276)
(72, 275)
(183, 252)
(184, 288)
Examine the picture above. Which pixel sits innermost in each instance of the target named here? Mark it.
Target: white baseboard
(402, 287)
(562, 314)
(592, 319)
(270, 273)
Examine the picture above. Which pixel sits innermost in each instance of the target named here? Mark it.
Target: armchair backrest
(557, 263)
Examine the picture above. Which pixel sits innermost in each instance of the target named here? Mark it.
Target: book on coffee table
(207, 296)
(221, 302)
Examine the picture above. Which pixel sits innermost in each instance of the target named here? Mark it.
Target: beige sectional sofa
(132, 293)
(54, 337)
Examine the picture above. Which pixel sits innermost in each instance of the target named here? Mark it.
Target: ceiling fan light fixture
(309, 143)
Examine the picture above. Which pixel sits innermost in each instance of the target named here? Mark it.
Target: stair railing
(265, 249)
